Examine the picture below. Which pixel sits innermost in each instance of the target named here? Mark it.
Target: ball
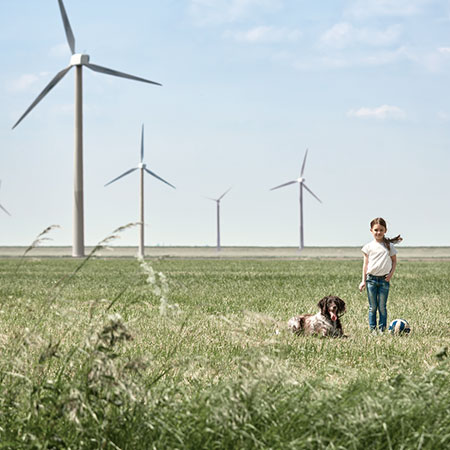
(399, 326)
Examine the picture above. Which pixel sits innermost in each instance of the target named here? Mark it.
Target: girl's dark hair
(387, 241)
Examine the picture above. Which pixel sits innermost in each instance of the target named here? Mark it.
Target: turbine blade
(142, 143)
(120, 176)
(46, 90)
(311, 192)
(223, 195)
(159, 178)
(285, 184)
(67, 28)
(115, 73)
(5, 210)
(303, 165)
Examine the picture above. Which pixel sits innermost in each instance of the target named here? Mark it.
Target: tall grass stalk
(104, 244)
(160, 287)
(40, 238)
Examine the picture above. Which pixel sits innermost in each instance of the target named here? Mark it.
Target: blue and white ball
(399, 326)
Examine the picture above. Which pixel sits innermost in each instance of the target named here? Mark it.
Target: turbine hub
(142, 166)
(79, 59)
(300, 180)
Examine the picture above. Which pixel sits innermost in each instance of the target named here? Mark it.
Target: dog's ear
(341, 304)
(322, 305)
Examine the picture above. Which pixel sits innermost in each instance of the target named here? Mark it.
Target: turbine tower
(78, 60)
(301, 182)
(142, 167)
(2, 207)
(217, 200)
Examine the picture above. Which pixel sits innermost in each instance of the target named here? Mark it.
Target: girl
(379, 265)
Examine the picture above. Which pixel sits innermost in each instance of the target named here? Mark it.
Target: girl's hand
(362, 285)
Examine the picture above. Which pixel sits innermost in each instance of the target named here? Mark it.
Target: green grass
(89, 362)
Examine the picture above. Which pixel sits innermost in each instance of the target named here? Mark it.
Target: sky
(248, 86)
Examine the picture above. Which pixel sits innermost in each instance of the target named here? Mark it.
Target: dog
(325, 323)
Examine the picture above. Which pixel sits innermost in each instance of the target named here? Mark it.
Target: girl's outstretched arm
(362, 285)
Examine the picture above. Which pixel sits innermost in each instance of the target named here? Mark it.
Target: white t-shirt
(380, 262)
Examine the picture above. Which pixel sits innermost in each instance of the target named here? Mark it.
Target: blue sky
(248, 85)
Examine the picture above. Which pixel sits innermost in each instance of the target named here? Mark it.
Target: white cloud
(337, 36)
(223, 11)
(433, 61)
(345, 34)
(362, 9)
(381, 113)
(344, 61)
(264, 34)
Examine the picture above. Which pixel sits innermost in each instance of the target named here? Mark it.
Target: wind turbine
(142, 167)
(217, 200)
(78, 60)
(301, 182)
(4, 209)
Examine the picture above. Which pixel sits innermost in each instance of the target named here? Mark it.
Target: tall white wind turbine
(2, 207)
(217, 200)
(142, 167)
(301, 183)
(78, 60)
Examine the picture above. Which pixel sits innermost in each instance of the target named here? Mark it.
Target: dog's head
(332, 307)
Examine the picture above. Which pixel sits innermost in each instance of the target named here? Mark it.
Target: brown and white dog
(325, 323)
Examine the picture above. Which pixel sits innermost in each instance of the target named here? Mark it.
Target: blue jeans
(377, 293)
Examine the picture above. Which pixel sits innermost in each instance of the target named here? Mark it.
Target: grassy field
(180, 353)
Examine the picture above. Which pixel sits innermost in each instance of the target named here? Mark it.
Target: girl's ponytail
(394, 240)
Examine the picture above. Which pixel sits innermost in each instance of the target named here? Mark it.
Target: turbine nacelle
(79, 59)
(301, 180)
(142, 166)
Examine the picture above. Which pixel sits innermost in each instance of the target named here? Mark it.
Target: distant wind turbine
(217, 200)
(142, 167)
(4, 209)
(301, 182)
(78, 60)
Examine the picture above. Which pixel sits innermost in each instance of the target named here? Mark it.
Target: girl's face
(378, 232)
